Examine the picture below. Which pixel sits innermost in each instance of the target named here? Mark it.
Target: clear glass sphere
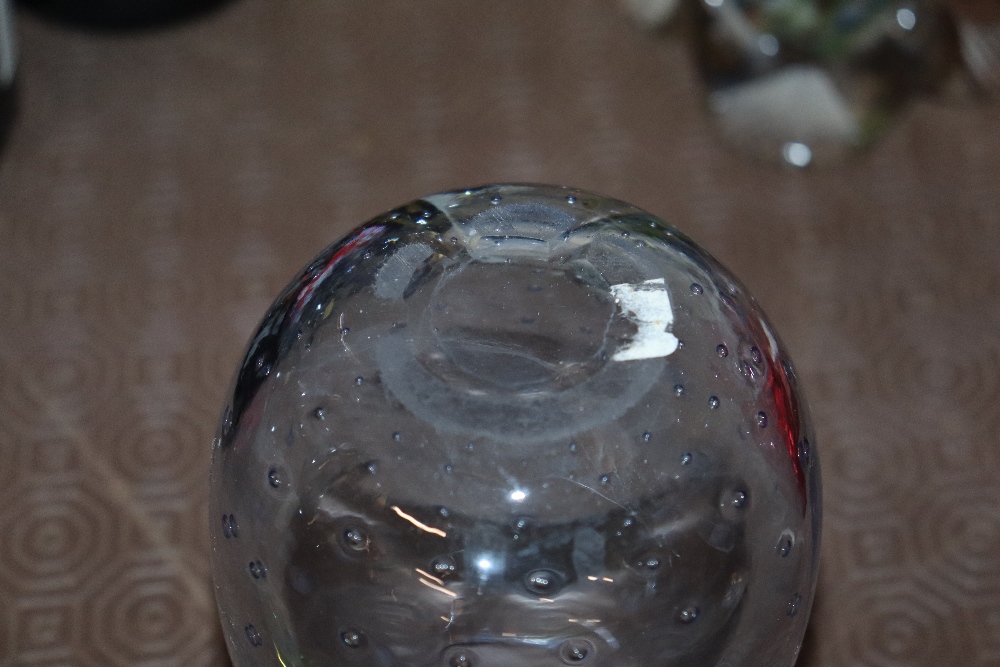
(515, 425)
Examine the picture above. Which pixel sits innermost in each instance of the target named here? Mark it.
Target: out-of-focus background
(158, 188)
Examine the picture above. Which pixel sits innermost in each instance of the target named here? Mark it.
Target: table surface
(158, 190)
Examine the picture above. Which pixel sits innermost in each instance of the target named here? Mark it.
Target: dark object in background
(8, 69)
(121, 14)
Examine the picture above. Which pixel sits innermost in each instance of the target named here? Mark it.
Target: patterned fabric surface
(159, 189)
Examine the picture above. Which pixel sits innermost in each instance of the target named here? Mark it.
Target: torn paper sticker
(648, 305)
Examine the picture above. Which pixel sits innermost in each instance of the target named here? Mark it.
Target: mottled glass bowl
(515, 425)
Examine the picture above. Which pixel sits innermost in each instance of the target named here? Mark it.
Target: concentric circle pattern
(959, 539)
(148, 613)
(164, 455)
(55, 539)
(900, 625)
(59, 381)
(158, 189)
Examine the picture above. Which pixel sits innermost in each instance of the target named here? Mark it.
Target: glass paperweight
(652, 14)
(515, 425)
(812, 81)
(977, 23)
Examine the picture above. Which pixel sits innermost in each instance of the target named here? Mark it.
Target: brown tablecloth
(159, 189)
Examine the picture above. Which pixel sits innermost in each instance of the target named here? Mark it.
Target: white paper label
(647, 304)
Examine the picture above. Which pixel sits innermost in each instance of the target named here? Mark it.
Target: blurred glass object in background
(812, 81)
(652, 14)
(8, 68)
(809, 81)
(515, 425)
(978, 25)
